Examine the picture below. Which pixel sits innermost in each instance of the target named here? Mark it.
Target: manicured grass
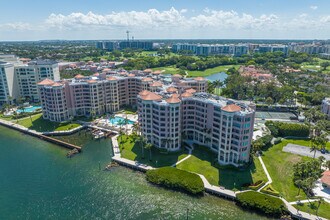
(176, 179)
(203, 161)
(306, 142)
(131, 150)
(168, 69)
(324, 210)
(7, 118)
(316, 65)
(36, 122)
(280, 167)
(211, 71)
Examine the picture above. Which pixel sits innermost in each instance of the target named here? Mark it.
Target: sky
(164, 19)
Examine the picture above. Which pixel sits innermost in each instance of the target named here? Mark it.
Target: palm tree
(149, 146)
(141, 140)
(125, 122)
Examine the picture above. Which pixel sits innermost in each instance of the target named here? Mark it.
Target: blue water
(217, 76)
(37, 181)
(116, 120)
(29, 109)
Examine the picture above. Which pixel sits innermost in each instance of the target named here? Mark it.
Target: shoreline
(213, 190)
(38, 135)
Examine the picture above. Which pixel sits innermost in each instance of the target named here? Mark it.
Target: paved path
(303, 201)
(217, 189)
(266, 172)
(180, 161)
(304, 151)
(298, 214)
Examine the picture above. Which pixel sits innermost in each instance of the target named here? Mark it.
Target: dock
(39, 135)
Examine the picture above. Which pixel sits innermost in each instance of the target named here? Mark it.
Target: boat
(99, 135)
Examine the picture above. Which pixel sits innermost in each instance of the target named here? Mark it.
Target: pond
(217, 76)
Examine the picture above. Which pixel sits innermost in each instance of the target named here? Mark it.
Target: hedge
(176, 179)
(282, 129)
(270, 190)
(263, 203)
(257, 185)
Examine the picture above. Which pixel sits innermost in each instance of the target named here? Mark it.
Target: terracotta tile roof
(199, 78)
(325, 179)
(231, 108)
(171, 89)
(157, 72)
(173, 99)
(46, 82)
(131, 75)
(96, 74)
(144, 93)
(111, 78)
(156, 84)
(186, 95)
(79, 76)
(147, 70)
(148, 79)
(192, 91)
(151, 97)
(106, 70)
(57, 84)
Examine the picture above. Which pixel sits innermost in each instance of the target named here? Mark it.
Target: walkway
(266, 172)
(294, 212)
(180, 161)
(217, 189)
(304, 151)
(303, 201)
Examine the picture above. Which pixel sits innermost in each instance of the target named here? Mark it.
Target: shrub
(270, 190)
(277, 140)
(282, 129)
(176, 179)
(257, 185)
(262, 203)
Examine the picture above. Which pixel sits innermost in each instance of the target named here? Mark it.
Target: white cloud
(18, 26)
(313, 7)
(175, 23)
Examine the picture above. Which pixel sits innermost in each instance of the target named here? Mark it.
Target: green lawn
(280, 167)
(307, 143)
(211, 71)
(131, 150)
(324, 210)
(168, 69)
(203, 161)
(36, 122)
(7, 118)
(315, 65)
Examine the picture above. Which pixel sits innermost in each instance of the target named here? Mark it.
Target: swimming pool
(116, 120)
(29, 109)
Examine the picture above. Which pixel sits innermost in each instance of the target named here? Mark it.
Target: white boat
(99, 135)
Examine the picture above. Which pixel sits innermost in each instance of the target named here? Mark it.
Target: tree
(306, 173)
(325, 65)
(269, 101)
(149, 146)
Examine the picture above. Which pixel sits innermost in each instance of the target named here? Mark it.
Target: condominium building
(19, 79)
(7, 83)
(225, 126)
(99, 94)
(212, 49)
(28, 75)
(325, 108)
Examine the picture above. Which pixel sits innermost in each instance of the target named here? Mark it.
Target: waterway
(37, 181)
(217, 76)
